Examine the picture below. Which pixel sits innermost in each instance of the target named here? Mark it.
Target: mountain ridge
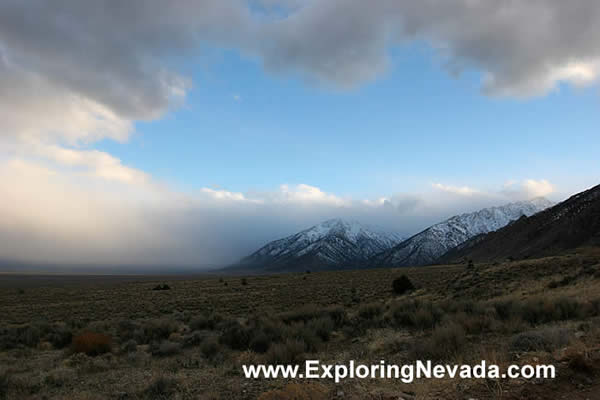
(567, 225)
(335, 243)
(427, 246)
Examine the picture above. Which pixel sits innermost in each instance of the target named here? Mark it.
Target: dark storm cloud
(523, 47)
(113, 51)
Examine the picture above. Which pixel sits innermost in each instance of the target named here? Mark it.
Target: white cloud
(528, 189)
(53, 214)
(303, 194)
(224, 195)
(535, 188)
(462, 190)
(98, 163)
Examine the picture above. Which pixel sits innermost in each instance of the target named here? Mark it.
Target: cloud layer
(75, 72)
(52, 214)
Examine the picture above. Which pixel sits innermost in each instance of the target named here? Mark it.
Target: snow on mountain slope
(334, 243)
(426, 247)
(572, 223)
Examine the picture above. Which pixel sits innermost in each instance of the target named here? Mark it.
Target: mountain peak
(572, 223)
(350, 229)
(335, 243)
(429, 245)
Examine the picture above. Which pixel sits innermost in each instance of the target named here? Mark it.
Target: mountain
(573, 223)
(428, 246)
(335, 243)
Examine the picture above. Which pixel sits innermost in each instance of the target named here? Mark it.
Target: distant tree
(402, 285)
(244, 281)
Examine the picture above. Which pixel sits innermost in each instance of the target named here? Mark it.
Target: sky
(135, 133)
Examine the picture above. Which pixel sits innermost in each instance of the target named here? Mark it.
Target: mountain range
(572, 223)
(339, 244)
(333, 244)
(429, 245)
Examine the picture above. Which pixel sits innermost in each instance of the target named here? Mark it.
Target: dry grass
(190, 341)
(296, 391)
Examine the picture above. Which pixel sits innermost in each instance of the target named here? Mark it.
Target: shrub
(581, 363)
(338, 315)
(446, 342)
(306, 335)
(260, 342)
(4, 384)
(322, 327)
(127, 329)
(415, 313)
(164, 286)
(311, 311)
(158, 329)
(547, 339)
(290, 352)
(402, 285)
(193, 339)
(129, 346)
(60, 336)
(208, 321)
(449, 338)
(91, 343)
(475, 324)
(507, 309)
(370, 311)
(235, 335)
(244, 281)
(304, 313)
(423, 319)
(209, 347)
(161, 388)
(540, 310)
(166, 348)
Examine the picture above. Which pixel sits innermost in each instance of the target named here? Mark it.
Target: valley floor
(120, 339)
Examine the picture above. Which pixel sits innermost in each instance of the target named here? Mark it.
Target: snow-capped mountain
(573, 223)
(335, 243)
(428, 246)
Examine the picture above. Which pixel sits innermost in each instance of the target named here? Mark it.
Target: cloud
(106, 64)
(306, 195)
(463, 191)
(528, 189)
(522, 48)
(53, 214)
(76, 72)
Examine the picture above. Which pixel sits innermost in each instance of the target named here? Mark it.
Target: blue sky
(244, 129)
(139, 134)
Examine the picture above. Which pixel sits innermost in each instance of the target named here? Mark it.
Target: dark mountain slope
(573, 223)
